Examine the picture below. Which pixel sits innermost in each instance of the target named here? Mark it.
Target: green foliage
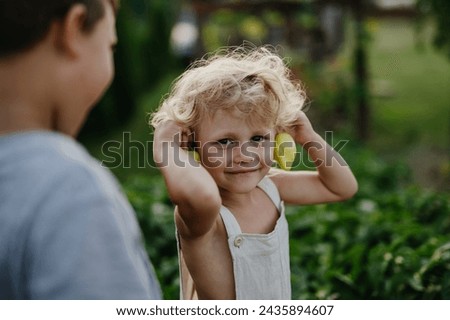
(155, 215)
(389, 242)
(379, 248)
(232, 27)
(439, 11)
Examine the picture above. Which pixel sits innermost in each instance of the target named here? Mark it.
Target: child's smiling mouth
(246, 171)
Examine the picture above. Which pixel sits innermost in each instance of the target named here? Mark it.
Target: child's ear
(70, 35)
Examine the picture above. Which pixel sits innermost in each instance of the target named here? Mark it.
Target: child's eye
(258, 141)
(226, 142)
(258, 138)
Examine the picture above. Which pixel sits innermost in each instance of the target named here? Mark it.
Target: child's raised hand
(173, 132)
(169, 136)
(302, 130)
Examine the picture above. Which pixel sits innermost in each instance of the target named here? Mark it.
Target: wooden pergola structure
(314, 40)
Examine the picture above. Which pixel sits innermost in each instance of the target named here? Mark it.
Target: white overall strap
(267, 185)
(230, 222)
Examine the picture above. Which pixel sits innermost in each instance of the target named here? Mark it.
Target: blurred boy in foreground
(66, 229)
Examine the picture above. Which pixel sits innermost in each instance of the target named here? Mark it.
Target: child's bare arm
(189, 185)
(333, 180)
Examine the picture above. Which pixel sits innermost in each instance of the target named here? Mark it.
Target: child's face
(236, 154)
(100, 62)
(96, 67)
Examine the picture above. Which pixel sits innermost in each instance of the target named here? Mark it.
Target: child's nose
(244, 153)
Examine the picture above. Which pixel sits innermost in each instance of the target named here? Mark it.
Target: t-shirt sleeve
(85, 243)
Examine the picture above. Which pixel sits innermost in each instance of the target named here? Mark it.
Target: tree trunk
(361, 74)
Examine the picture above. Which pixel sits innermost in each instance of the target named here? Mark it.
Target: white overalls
(260, 261)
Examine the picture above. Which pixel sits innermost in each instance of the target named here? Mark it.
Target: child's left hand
(302, 130)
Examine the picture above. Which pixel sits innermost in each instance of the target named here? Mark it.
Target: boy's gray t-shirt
(66, 229)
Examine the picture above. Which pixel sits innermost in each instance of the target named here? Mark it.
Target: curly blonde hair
(255, 82)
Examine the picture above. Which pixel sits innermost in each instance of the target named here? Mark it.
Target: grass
(411, 103)
(415, 109)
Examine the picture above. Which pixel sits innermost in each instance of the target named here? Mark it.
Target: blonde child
(229, 214)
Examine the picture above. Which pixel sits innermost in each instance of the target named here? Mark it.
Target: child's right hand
(164, 136)
(173, 134)
(176, 142)
(170, 131)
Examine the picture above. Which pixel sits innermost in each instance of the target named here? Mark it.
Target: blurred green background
(377, 73)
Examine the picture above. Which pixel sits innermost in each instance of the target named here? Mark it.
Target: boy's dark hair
(23, 23)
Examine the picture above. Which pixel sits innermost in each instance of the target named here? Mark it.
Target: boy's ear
(70, 33)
